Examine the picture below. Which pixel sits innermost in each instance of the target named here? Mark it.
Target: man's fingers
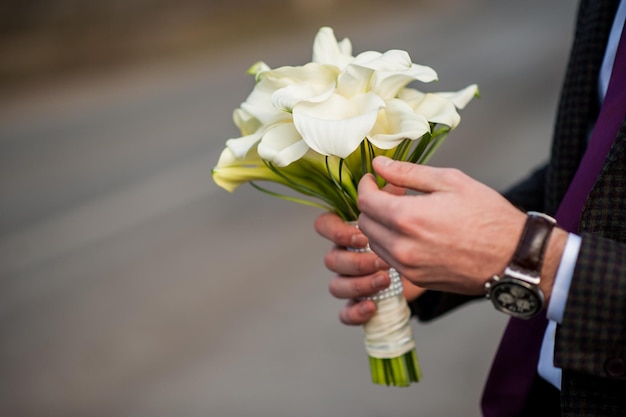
(356, 313)
(350, 263)
(394, 189)
(373, 201)
(346, 288)
(332, 227)
(422, 178)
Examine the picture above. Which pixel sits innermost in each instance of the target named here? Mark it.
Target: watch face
(516, 298)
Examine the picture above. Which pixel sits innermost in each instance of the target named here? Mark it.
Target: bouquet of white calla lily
(315, 129)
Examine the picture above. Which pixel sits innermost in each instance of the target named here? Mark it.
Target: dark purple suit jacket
(591, 341)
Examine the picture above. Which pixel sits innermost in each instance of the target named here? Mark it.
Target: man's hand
(359, 274)
(452, 236)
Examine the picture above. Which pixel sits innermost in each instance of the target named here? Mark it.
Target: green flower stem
(290, 198)
(399, 372)
(436, 141)
(348, 198)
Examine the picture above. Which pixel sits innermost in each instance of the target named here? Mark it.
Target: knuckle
(365, 264)
(362, 202)
(452, 176)
(357, 289)
(406, 168)
(405, 257)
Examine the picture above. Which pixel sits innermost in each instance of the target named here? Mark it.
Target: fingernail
(358, 241)
(380, 281)
(380, 264)
(384, 161)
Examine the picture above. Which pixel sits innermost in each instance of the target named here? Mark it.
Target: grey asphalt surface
(131, 286)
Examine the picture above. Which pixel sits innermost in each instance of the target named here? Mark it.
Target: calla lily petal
(326, 49)
(393, 60)
(395, 123)
(241, 146)
(259, 105)
(438, 109)
(247, 123)
(393, 71)
(311, 73)
(287, 97)
(462, 97)
(289, 85)
(231, 172)
(282, 145)
(338, 125)
(267, 104)
(435, 107)
(354, 80)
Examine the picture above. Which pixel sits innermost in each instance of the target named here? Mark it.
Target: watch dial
(516, 299)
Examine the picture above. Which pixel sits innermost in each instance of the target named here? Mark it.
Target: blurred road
(131, 286)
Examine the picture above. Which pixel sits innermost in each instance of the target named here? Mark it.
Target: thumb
(417, 177)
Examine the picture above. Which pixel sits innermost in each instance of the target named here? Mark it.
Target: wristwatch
(517, 292)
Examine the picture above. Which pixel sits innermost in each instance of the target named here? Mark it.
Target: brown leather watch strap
(528, 257)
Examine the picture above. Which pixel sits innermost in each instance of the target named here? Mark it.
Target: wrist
(554, 252)
(519, 291)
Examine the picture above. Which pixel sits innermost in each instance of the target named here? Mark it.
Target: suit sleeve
(592, 337)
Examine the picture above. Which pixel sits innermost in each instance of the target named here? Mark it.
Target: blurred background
(132, 286)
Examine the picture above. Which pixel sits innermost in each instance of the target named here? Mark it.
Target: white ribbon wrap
(388, 334)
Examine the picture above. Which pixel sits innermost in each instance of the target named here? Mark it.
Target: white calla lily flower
(241, 146)
(435, 108)
(311, 73)
(462, 97)
(354, 80)
(392, 71)
(326, 49)
(287, 97)
(247, 123)
(393, 60)
(282, 144)
(398, 121)
(338, 125)
(231, 172)
(279, 89)
(259, 105)
(311, 82)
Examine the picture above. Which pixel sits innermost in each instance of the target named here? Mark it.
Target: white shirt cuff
(560, 289)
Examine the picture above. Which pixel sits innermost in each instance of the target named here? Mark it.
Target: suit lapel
(578, 105)
(604, 212)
